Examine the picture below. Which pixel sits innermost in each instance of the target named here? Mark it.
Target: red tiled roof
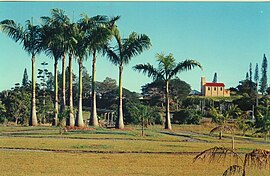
(215, 84)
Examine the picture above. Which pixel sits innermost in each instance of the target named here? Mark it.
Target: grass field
(43, 151)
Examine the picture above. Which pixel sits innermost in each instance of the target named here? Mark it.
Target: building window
(221, 88)
(208, 88)
(215, 89)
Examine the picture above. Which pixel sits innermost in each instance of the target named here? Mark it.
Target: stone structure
(210, 89)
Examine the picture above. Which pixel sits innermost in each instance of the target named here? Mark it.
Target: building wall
(220, 91)
(214, 91)
(208, 91)
(227, 93)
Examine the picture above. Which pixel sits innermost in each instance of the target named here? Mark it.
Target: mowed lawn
(43, 151)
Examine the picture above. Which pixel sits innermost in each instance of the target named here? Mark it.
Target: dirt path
(97, 152)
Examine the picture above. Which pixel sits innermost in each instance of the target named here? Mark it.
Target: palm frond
(149, 70)
(184, 66)
(258, 158)
(45, 20)
(59, 17)
(97, 38)
(134, 45)
(222, 128)
(112, 54)
(232, 170)
(13, 30)
(217, 154)
(112, 21)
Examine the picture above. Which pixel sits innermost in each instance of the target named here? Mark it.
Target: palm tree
(120, 55)
(223, 119)
(62, 22)
(258, 158)
(167, 69)
(68, 32)
(53, 44)
(81, 51)
(70, 121)
(97, 35)
(30, 36)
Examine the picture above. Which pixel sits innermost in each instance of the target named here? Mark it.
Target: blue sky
(223, 37)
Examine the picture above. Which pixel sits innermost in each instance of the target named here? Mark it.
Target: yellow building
(210, 89)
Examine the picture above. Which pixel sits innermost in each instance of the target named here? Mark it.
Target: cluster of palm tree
(57, 36)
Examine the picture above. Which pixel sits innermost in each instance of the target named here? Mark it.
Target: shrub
(187, 116)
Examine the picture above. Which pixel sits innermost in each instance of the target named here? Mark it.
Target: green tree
(71, 43)
(256, 79)
(215, 78)
(120, 55)
(245, 86)
(107, 85)
(53, 44)
(263, 82)
(81, 52)
(43, 75)
(264, 127)
(97, 35)
(25, 80)
(167, 69)
(86, 84)
(247, 76)
(3, 109)
(154, 92)
(250, 72)
(187, 116)
(30, 37)
(18, 105)
(143, 114)
(222, 120)
(60, 21)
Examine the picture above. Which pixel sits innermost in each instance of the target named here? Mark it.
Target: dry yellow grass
(58, 164)
(23, 162)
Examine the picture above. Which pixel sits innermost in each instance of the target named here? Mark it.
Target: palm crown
(127, 48)
(30, 36)
(167, 68)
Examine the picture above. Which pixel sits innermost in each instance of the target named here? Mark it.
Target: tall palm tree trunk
(70, 120)
(167, 118)
(120, 120)
(79, 119)
(55, 93)
(93, 115)
(33, 116)
(63, 98)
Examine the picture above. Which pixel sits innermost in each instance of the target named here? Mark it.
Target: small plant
(258, 158)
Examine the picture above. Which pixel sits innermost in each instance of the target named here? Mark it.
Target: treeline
(61, 39)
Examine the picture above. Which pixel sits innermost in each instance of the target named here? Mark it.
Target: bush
(3, 120)
(132, 114)
(187, 116)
